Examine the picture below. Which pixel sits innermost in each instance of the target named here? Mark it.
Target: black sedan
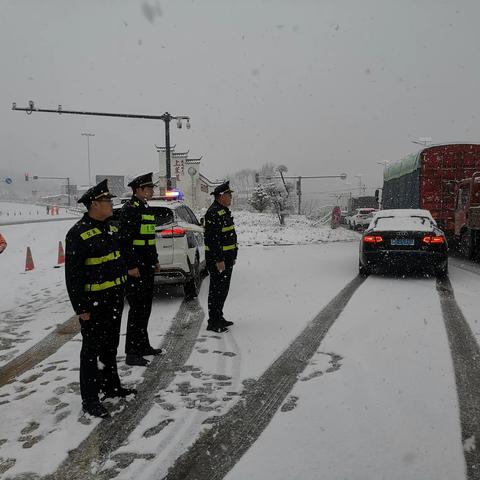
(403, 240)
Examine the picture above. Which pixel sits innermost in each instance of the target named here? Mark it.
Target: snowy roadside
(16, 212)
(264, 229)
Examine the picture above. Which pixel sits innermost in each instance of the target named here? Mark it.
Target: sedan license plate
(402, 241)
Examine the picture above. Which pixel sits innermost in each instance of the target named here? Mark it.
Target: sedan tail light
(372, 239)
(433, 240)
(173, 232)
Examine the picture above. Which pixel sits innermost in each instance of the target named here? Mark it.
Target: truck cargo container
(426, 180)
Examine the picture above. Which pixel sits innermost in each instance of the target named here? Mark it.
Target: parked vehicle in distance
(180, 244)
(361, 219)
(403, 240)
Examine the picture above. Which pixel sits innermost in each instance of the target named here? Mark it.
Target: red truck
(426, 179)
(467, 215)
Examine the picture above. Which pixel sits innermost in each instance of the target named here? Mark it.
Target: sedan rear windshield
(403, 223)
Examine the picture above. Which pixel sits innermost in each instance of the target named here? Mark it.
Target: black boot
(135, 359)
(119, 392)
(96, 409)
(217, 328)
(226, 323)
(152, 351)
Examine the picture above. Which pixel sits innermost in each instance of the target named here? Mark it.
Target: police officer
(221, 252)
(95, 274)
(137, 223)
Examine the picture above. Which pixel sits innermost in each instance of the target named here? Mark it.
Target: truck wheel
(191, 288)
(466, 244)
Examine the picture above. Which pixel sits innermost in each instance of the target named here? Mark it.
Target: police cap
(142, 181)
(223, 188)
(98, 192)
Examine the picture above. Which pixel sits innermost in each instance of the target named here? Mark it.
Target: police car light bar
(172, 194)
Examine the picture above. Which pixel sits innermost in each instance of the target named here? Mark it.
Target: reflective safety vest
(137, 226)
(94, 262)
(220, 236)
(147, 231)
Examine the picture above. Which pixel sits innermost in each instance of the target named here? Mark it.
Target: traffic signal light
(257, 177)
(27, 177)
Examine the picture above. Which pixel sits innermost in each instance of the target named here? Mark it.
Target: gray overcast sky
(321, 86)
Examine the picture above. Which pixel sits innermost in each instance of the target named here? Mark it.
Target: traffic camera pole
(166, 117)
(36, 177)
(343, 176)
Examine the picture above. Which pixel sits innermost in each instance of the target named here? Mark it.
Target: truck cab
(467, 215)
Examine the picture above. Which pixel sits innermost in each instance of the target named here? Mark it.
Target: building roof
(163, 149)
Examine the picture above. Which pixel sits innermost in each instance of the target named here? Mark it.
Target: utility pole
(88, 135)
(299, 192)
(166, 118)
(343, 176)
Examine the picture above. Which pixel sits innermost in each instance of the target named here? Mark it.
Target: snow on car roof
(404, 212)
(413, 219)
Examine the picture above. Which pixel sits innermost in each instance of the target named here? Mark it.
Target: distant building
(186, 177)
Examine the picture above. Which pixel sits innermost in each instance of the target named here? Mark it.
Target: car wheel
(363, 271)
(191, 288)
(442, 272)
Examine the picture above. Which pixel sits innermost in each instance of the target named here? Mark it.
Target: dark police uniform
(137, 224)
(95, 274)
(220, 245)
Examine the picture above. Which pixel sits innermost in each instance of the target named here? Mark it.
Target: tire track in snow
(187, 427)
(216, 451)
(111, 434)
(40, 351)
(466, 362)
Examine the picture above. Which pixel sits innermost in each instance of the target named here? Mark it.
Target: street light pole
(167, 118)
(359, 176)
(88, 135)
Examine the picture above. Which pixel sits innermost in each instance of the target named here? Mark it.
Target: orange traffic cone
(61, 254)
(29, 265)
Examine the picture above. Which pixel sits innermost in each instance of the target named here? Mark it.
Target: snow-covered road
(378, 398)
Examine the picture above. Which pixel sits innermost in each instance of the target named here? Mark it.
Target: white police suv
(180, 245)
